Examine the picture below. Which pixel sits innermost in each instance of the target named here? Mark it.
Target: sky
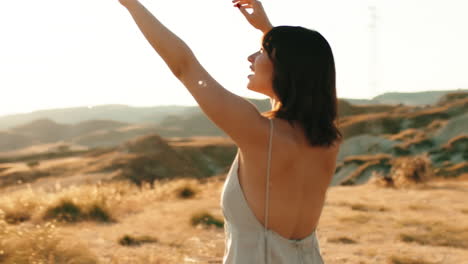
(56, 53)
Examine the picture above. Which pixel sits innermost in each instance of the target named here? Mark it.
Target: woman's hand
(258, 18)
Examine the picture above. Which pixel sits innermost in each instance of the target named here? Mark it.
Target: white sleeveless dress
(247, 241)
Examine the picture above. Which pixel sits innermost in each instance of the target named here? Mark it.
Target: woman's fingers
(244, 11)
(243, 3)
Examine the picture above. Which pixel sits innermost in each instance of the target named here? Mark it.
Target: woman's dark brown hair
(304, 80)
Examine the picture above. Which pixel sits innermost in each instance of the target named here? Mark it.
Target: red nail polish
(238, 5)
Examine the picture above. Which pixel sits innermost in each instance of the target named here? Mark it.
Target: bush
(128, 240)
(17, 217)
(99, 214)
(342, 240)
(206, 219)
(68, 211)
(186, 192)
(33, 164)
(65, 211)
(405, 171)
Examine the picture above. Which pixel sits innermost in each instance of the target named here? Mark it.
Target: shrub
(206, 219)
(405, 171)
(410, 170)
(99, 213)
(65, 211)
(17, 217)
(68, 211)
(342, 240)
(368, 208)
(128, 240)
(186, 192)
(32, 164)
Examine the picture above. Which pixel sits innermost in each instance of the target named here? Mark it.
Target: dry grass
(438, 235)
(364, 207)
(342, 240)
(420, 207)
(40, 244)
(100, 202)
(359, 224)
(356, 219)
(407, 260)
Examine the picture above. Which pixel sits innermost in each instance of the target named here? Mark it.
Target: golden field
(424, 223)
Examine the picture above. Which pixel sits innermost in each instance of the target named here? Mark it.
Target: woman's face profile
(261, 80)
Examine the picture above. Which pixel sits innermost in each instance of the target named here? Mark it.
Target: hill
(45, 131)
(118, 113)
(134, 115)
(397, 98)
(417, 98)
(375, 137)
(374, 142)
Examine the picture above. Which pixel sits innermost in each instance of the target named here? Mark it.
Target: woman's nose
(252, 57)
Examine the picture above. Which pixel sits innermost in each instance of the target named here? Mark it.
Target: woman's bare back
(299, 178)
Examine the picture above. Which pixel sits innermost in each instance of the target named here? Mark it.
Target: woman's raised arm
(170, 47)
(235, 115)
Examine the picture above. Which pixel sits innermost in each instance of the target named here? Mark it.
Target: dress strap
(267, 189)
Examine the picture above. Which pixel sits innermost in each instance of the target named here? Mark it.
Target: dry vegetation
(406, 171)
(360, 224)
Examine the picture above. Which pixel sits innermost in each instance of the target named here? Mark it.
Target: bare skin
(300, 174)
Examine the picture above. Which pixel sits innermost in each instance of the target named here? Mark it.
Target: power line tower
(374, 83)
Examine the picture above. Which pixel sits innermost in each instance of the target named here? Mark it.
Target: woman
(291, 149)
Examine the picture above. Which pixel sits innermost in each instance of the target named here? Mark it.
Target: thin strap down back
(267, 192)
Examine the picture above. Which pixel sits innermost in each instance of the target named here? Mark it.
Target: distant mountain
(360, 101)
(119, 113)
(45, 131)
(419, 98)
(157, 114)
(103, 133)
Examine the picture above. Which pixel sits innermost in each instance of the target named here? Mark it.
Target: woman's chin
(249, 84)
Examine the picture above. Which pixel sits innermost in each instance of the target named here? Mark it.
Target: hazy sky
(63, 53)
